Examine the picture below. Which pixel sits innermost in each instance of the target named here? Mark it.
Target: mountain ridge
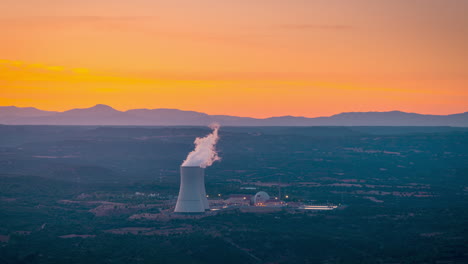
(101, 114)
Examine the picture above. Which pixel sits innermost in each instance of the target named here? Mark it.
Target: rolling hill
(106, 115)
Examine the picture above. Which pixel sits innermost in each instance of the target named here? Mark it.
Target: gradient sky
(256, 58)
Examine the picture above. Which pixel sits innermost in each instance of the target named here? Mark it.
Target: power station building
(192, 193)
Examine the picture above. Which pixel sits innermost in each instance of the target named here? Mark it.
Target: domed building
(260, 198)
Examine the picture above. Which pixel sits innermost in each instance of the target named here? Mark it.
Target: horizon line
(286, 115)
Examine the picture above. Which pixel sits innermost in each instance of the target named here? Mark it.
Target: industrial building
(192, 193)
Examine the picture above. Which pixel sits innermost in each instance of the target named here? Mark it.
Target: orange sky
(256, 58)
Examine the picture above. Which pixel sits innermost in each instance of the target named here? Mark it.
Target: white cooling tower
(192, 194)
(203, 191)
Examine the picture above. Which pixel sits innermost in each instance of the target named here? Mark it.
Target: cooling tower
(192, 194)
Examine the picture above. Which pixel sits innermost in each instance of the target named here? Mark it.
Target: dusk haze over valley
(234, 131)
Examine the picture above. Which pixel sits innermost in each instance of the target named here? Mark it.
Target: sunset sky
(257, 58)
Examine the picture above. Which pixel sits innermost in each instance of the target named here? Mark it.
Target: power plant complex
(192, 197)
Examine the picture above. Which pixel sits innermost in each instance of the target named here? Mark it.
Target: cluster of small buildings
(261, 202)
(259, 199)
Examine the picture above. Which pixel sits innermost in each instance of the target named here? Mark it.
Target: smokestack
(192, 194)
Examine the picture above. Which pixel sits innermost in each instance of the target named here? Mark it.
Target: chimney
(192, 194)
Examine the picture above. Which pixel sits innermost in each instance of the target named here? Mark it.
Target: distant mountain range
(106, 115)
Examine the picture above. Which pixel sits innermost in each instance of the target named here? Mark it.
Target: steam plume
(204, 153)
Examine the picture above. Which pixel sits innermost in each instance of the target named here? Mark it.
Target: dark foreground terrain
(99, 195)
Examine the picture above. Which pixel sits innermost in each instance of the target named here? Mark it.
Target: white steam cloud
(204, 153)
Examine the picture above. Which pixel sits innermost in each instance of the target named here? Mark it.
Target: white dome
(261, 197)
